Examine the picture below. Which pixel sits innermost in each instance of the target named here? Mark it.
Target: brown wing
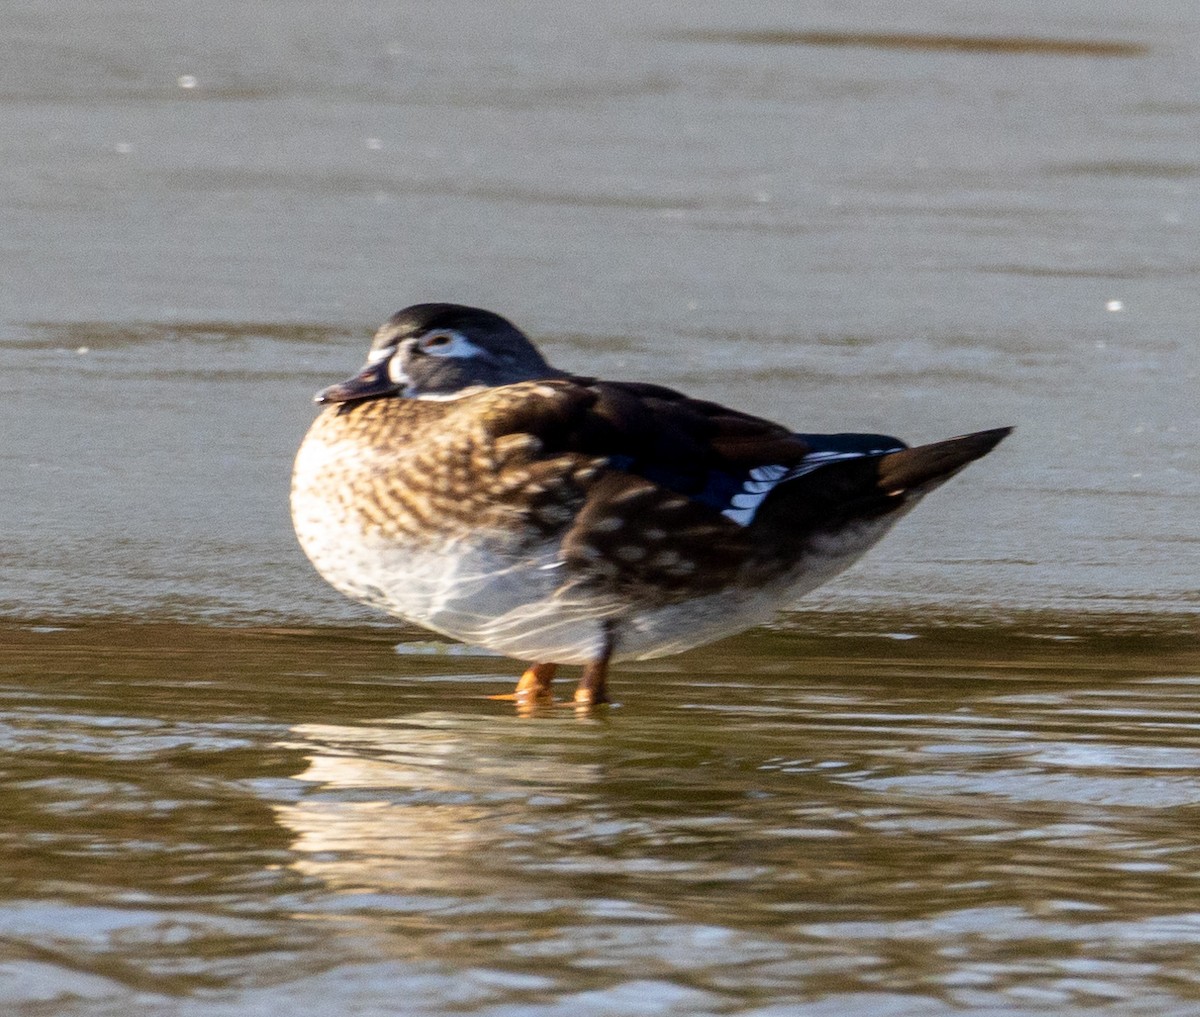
(669, 434)
(633, 476)
(649, 430)
(632, 533)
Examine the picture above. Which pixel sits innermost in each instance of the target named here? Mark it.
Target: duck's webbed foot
(534, 688)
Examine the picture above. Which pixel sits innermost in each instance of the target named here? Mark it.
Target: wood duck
(462, 483)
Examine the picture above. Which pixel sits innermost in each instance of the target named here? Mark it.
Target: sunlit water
(909, 821)
(965, 779)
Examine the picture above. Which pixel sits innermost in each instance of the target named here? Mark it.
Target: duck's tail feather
(936, 462)
(866, 486)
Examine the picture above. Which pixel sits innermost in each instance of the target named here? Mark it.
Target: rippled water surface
(965, 779)
(911, 821)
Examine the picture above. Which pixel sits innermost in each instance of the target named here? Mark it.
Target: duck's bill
(372, 382)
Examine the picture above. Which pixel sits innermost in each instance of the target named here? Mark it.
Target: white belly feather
(529, 609)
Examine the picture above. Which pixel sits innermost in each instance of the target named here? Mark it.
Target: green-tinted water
(873, 817)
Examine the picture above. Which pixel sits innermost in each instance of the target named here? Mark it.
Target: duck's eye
(448, 343)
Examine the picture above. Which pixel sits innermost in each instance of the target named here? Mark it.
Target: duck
(462, 483)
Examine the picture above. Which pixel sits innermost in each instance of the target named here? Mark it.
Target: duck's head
(441, 351)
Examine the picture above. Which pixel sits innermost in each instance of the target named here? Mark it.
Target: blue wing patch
(738, 497)
(826, 449)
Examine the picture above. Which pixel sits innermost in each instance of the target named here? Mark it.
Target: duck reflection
(426, 802)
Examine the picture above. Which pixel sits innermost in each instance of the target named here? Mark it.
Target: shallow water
(874, 818)
(963, 778)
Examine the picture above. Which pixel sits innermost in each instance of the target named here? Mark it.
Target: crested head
(440, 351)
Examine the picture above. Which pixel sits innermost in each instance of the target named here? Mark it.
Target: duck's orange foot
(534, 693)
(533, 690)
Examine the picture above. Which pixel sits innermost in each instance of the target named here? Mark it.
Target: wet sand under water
(846, 814)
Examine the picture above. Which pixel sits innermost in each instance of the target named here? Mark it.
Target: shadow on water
(100, 335)
(848, 809)
(928, 42)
